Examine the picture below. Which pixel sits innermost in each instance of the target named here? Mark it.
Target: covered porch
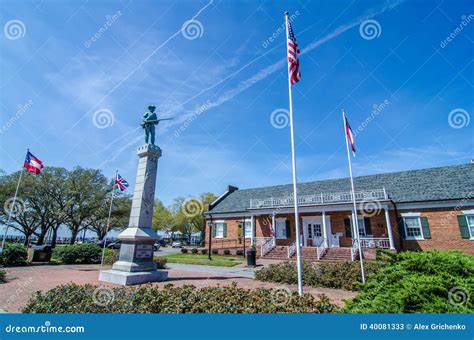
(326, 222)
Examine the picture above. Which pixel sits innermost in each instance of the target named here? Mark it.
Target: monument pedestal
(135, 264)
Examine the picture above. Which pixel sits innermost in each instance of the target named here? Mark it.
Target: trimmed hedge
(3, 276)
(160, 262)
(111, 256)
(226, 252)
(215, 251)
(340, 275)
(419, 282)
(184, 250)
(239, 252)
(194, 250)
(204, 251)
(14, 254)
(84, 253)
(72, 298)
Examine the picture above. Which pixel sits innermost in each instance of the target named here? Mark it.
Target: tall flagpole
(356, 220)
(108, 218)
(293, 164)
(11, 211)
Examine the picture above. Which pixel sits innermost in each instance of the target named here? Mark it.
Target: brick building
(409, 210)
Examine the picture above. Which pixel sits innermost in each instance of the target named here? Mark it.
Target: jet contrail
(267, 71)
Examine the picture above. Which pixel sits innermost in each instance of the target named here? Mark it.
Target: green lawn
(217, 260)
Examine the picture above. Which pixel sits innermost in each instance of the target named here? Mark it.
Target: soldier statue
(149, 120)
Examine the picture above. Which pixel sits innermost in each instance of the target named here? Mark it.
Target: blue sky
(76, 76)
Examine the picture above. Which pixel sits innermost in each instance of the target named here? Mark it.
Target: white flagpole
(355, 219)
(293, 163)
(108, 218)
(11, 211)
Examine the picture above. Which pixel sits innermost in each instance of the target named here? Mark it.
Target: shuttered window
(413, 228)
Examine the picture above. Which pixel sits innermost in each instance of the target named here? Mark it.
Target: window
(219, 229)
(280, 229)
(361, 223)
(413, 228)
(310, 231)
(470, 224)
(248, 228)
(318, 232)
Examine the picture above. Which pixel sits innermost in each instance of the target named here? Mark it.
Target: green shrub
(78, 253)
(3, 276)
(184, 250)
(160, 262)
(72, 298)
(340, 275)
(419, 282)
(14, 254)
(204, 251)
(111, 256)
(239, 252)
(194, 251)
(215, 251)
(226, 252)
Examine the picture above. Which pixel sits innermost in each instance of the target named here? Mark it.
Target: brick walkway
(23, 281)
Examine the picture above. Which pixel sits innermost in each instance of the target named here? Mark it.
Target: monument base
(132, 278)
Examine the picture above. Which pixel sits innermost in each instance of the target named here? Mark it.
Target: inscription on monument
(144, 251)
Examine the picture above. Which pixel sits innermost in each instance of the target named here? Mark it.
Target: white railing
(291, 249)
(321, 248)
(375, 243)
(318, 199)
(267, 246)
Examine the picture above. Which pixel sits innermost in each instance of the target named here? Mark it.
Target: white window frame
(248, 233)
(280, 220)
(416, 216)
(361, 224)
(221, 228)
(469, 213)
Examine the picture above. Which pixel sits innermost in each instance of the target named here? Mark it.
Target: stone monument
(135, 264)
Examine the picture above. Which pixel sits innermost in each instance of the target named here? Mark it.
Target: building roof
(432, 184)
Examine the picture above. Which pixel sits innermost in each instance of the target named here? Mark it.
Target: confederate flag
(350, 136)
(32, 164)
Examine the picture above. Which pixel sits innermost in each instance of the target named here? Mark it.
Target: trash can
(251, 258)
(39, 254)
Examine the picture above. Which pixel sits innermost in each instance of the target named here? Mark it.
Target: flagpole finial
(286, 13)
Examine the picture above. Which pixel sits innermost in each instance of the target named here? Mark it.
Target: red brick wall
(444, 227)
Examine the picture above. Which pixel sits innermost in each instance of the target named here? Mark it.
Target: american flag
(350, 136)
(121, 182)
(293, 61)
(32, 164)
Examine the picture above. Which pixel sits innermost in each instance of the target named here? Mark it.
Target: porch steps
(310, 254)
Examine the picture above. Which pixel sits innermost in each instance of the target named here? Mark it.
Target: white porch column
(389, 228)
(273, 226)
(305, 233)
(252, 224)
(325, 233)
